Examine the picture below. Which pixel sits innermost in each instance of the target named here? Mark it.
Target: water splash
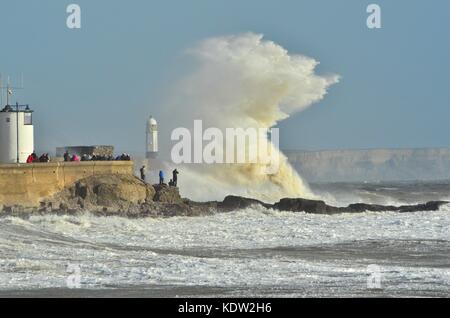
(244, 81)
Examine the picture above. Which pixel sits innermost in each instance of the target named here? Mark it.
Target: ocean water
(253, 252)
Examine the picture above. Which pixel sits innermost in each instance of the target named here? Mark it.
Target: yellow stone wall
(28, 184)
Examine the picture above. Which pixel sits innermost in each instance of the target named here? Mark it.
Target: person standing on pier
(143, 173)
(175, 177)
(161, 177)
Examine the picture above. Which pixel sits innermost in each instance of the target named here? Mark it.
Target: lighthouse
(16, 133)
(152, 138)
(16, 128)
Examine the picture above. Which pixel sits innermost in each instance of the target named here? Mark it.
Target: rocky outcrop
(166, 194)
(320, 207)
(232, 203)
(126, 195)
(362, 207)
(123, 195)
(109, 190)
(302, 205)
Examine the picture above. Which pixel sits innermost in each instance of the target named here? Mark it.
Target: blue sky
(98, 84)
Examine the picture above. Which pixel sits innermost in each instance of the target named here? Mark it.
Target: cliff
(371, 165)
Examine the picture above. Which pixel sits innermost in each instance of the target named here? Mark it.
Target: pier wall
(28, 184)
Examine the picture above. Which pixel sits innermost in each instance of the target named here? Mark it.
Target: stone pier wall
(28, 184)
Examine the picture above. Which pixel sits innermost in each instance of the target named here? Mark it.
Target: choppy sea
(253, 252)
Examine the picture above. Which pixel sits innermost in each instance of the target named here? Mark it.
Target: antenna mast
(8, 89)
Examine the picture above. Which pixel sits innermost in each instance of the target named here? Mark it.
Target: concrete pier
(28, 184)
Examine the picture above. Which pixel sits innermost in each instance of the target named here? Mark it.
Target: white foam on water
(445, 207)
(219, 250)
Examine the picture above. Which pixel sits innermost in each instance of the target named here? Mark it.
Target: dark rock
(362, 207)
(429, 206)
(8, 209)
(233, 202)
(81, 190)
(320, 207)
(201, 208)
(166, 194)
(303, 205)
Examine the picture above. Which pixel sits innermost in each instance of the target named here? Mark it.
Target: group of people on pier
(88, 157)
(33, 158)
(173, 182)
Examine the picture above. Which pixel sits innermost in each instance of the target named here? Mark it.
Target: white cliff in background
(371, 165)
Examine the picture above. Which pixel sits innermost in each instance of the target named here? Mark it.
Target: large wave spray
(244, 81)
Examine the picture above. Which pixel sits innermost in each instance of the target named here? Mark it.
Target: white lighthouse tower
(16, 131)
(152, 138)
